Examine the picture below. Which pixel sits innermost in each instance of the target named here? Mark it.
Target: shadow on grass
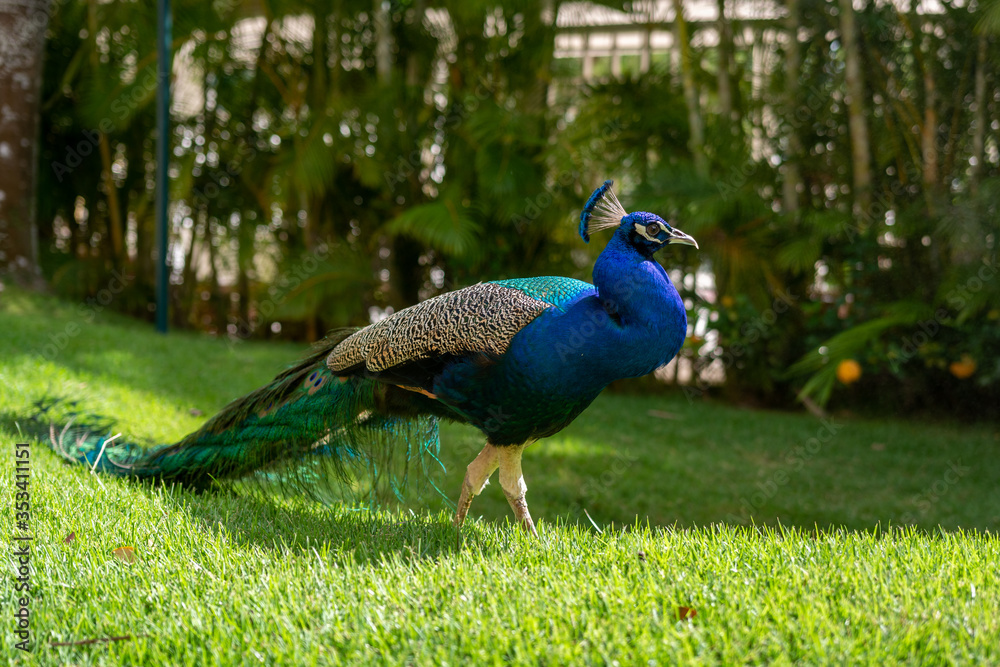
(265, 520)
(702, 480)
(306, 528)
(722, 465)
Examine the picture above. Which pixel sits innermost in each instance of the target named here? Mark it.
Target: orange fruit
(963, 368)
(848, 371)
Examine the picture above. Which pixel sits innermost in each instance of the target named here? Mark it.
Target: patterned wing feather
(481, 319)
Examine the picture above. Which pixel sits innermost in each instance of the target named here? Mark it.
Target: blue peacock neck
(638, 295)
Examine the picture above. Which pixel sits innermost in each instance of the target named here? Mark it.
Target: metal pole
(164, 26)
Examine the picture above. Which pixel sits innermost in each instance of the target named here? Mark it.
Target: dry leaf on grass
(686, 613)
(125, 554)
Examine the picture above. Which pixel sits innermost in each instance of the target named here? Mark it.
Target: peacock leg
(477, 476)
(512, 482)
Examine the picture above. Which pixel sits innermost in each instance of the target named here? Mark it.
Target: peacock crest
(602, 211)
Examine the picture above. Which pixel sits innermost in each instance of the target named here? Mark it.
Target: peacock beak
(677, 237)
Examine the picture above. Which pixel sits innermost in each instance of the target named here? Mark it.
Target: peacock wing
(481, 319)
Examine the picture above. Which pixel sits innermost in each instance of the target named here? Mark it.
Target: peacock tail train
(306, 432)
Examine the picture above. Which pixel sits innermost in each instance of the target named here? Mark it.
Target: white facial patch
(641, 231)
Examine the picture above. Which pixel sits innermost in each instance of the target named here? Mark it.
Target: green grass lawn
(779, 530)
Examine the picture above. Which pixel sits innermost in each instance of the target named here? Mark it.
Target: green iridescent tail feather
(306, 432)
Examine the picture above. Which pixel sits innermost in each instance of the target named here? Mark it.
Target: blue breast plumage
(559, 362)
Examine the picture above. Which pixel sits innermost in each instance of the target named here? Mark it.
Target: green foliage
(441, 225)
(821, 364)
(438, 145)
(331, 282)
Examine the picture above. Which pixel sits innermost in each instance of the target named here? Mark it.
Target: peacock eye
(652, 229)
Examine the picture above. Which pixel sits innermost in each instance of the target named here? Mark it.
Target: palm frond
(821, 367)
(442, 225)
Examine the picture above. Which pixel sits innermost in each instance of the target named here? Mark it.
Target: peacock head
(648, 232)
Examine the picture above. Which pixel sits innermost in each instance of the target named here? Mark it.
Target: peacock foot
(512, 482)
(521, 513)
(477, 476)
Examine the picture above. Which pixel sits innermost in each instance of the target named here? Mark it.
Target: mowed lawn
(791, 539)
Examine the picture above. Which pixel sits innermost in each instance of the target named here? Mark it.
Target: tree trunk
(23, 24)
(413, 74)
(320, 73)
(860, 148)
(928, 134)
(218, 315)
(539, 97)
(793, 68)
(683, 46)
(979, 119)
(335, 69)
(115, 223)
(724, 75)
(244, 264)
(383, 41)
(185, 312)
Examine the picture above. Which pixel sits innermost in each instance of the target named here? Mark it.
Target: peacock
(519, 359)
